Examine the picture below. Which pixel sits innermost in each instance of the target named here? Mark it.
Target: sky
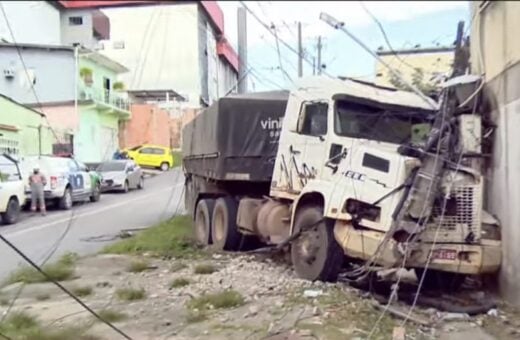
(407, 23)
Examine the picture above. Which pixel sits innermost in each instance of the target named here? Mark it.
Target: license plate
(444, 254)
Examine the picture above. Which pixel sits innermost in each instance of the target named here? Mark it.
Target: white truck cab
(348, 180)
(12, 195)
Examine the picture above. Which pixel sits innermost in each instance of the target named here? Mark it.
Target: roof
(155, 94)
(103, 60)
(211, 8)
(266, 95)
(334, 88)
(38, 46)
(22, 105)
(441, 49)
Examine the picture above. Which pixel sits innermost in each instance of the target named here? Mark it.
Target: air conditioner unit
(9, 73)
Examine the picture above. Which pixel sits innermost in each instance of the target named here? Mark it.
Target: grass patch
(222, 300)
(111, 315)
(4, 302)
(130, 294)
(61, 270)
(20, 325)
(173, 238)
(43, 297)
(137, 266)
(180, 282)
(82, 291)
(178, 266)
(204, 269)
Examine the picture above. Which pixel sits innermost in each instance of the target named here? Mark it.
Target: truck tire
(315, 254)
(224, 231)
(439, 280)
(202, 223)
(12, 213)
(65, 202)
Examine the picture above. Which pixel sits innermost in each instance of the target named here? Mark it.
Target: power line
(61, 287)
(383, 32)
(27, 70)
(281, 40)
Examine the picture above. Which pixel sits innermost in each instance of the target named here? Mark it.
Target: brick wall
(149, 124)
(177, 123)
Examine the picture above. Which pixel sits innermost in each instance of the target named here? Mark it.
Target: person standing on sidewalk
(37, 181)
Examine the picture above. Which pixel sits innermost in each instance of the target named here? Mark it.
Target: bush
(137, 266)
(180, 282)
(222, 300)
(171, 238)
(112, 315)
(61, 270)
(130, 294)
(204, 269)
(82, 291)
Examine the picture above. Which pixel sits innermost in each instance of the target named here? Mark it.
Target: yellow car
(149, 155)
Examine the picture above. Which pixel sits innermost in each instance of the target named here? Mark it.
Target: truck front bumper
(482, 258)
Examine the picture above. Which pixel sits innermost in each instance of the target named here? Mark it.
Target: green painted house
(101, 107)
(23, 130)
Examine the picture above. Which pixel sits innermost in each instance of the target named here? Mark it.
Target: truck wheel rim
(309, 245)
(219, 226)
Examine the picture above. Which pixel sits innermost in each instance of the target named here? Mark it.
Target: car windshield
(365, 122)
(111, 166)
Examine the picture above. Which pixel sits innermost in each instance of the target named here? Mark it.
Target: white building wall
(32, 22)
(160, 47)
(73, 33)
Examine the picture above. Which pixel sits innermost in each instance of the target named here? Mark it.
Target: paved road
(36, 235)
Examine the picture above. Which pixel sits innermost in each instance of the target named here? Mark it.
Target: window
(158, 151)
(147, 151)
(8, 170)
(75, 21)
(72, 165)
(313, 119)
(366, 122)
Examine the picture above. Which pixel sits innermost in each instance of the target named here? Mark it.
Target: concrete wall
(495, 51)
(430, 63)
(83, 33)
(21, 125)
(35, 22)
(160, 47)
(51, 70)
(178, 123)
(149, 124)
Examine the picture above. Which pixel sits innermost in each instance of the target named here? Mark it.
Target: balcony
(105, 100)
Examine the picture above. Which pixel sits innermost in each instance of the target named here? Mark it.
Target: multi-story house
(495, 54)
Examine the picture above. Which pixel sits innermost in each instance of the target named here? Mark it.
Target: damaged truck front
(359, 173)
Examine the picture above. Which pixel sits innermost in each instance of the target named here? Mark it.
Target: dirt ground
(276, 305)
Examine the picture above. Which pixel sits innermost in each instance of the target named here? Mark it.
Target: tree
(427, 87)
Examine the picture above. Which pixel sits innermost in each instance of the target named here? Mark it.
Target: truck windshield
(365, 122)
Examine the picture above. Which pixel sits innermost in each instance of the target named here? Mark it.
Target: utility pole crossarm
(341, 26)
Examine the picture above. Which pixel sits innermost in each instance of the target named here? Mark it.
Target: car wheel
(96, 194)
(141, 183)
(66, 200)
(165, 166)
(125, 187)
(315, 254)
(12, 213)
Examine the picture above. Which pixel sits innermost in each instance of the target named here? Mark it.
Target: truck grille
(463, 210)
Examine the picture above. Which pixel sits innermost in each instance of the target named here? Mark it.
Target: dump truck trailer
(344, 171)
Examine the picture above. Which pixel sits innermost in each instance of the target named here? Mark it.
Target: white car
(12, 189)
(68, 180)
(120, 175)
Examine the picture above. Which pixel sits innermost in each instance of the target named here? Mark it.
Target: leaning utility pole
(300, 52)
(319, 55)
(242, 49)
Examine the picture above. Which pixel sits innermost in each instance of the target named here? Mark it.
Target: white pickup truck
(12, 194)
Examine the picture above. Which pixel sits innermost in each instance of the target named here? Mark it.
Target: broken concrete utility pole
(300, 51)
(242, 49)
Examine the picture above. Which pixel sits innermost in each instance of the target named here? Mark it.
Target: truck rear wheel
(224, 233)
(203, 215)
(315, 254)
(439, 280)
